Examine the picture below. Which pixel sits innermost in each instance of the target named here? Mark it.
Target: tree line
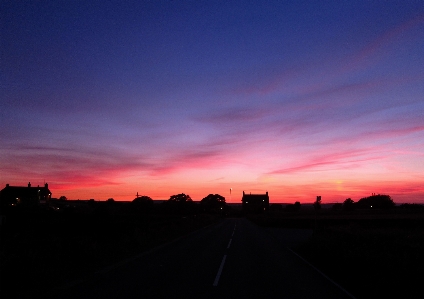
(183, 203)
(375, 201)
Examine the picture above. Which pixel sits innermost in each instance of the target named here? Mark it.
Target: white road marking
(229, 243)
(218, 275)
(221, 267)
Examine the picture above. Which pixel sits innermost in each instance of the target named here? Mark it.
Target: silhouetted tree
(62, 198)
(110, 200)
(379, 201)
(348, 204)
(142, 200)
(212, 202)
(180, 203)
(142, 203)
(181, 198)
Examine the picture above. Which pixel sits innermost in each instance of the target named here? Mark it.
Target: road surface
(232, 259)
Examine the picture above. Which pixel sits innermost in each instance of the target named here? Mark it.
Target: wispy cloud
(371, 53)
(331, 161)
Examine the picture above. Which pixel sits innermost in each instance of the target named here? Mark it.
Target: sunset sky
(298, 98)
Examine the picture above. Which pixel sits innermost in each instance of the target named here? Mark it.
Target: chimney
(29, 184)
(46, 185)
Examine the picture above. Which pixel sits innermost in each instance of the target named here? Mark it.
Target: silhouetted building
(255, 202)
(28, 196)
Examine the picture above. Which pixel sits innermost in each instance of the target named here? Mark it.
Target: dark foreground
(373, 254)
(41, 249)
(110, 251)
(232, 259)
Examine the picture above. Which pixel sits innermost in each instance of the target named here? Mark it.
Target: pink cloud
(332, 160)
(382, 130)
(68, 166)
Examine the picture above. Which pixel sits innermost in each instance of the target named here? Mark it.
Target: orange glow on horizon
(331, 192)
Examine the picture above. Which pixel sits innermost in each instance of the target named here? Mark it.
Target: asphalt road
(232, 259)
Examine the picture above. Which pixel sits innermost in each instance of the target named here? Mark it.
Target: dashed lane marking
(218, 275)
(221, 267)
(229, 243)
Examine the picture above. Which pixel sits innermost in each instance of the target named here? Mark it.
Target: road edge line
(320, 272)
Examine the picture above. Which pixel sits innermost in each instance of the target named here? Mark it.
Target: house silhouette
(255, 202)
(24, 195)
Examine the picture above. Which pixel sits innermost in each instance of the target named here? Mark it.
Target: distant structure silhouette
(255, 202)
(25, 196)
(317, 203)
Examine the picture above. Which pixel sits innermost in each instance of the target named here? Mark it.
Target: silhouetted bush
(293, 207)
(276, 207)
(142, 204)
(348, 204)
(110, 202)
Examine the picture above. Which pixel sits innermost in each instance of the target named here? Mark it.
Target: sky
(104, 99)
